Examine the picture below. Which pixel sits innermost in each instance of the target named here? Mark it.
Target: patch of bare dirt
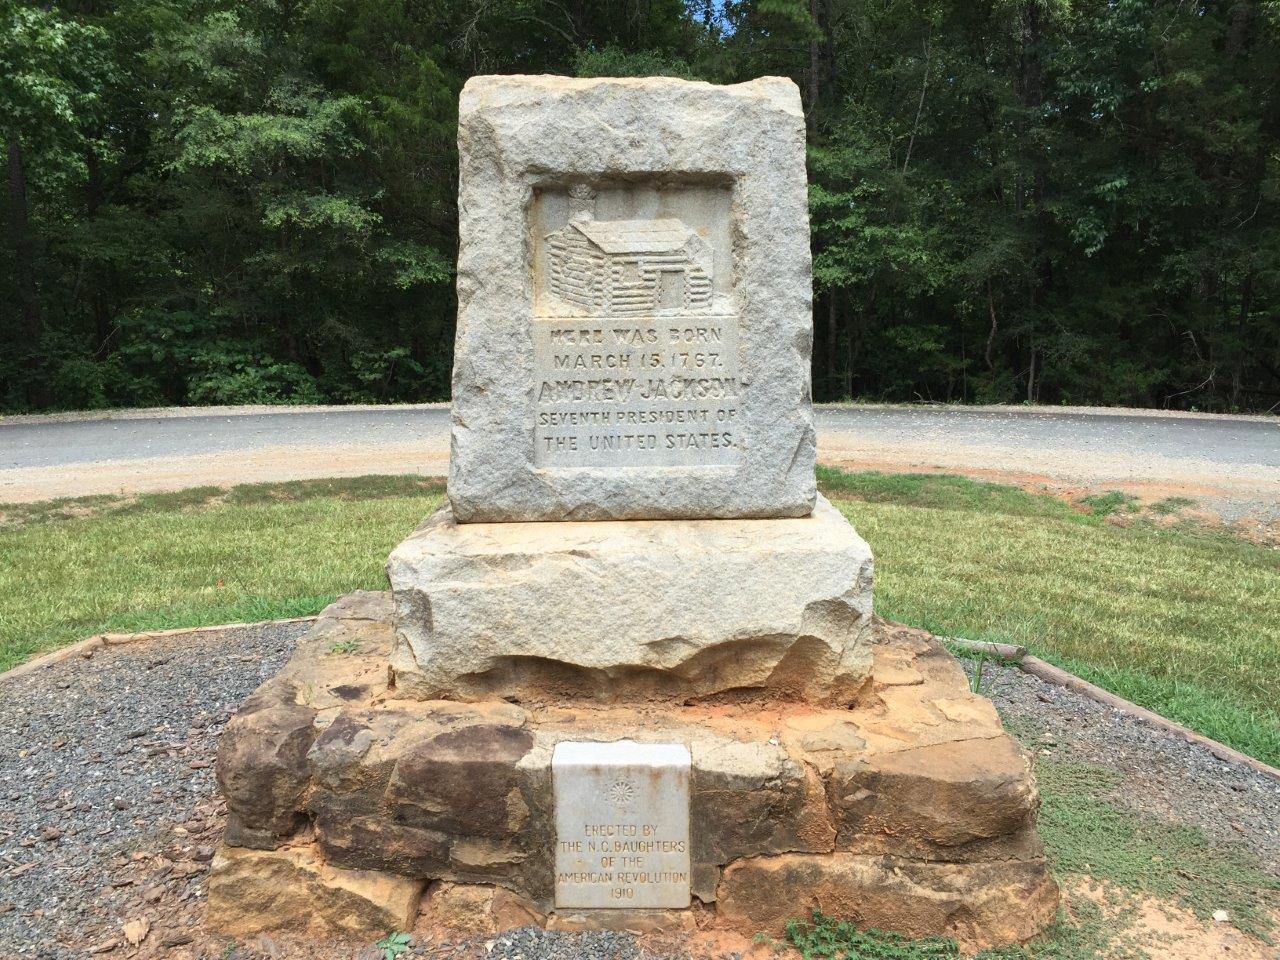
(1244, 511)
(1165, 931)
(265, 465)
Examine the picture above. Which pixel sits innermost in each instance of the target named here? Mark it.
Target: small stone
(135, 931)
(1221, 916)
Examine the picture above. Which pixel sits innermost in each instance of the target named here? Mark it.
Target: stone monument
(628, 675)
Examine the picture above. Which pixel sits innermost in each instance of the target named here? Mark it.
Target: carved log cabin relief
(627, 267)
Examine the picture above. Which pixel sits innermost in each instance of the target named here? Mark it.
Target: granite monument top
(634, 324)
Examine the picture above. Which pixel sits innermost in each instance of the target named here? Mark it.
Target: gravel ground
(102, 762)
(108, 814)
(1164, 775)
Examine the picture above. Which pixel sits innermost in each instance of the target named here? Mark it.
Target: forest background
(253, 201)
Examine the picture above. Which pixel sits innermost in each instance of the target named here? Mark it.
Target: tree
(51, 74)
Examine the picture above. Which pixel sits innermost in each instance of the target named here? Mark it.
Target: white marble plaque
(622, 824)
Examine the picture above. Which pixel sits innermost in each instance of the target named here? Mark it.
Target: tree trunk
(1031, 377)
(814, 85)
(24, 253)
(833, 344)
(97, 294)
(1032, 96)
(991, 335)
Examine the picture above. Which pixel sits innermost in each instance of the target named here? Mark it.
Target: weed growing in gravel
(394, 945)
(977, 682)
(824, 937)
(1085, 934)
(349, 645)
(1086, 835)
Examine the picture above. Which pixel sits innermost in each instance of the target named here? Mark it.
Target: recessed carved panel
(635, 327)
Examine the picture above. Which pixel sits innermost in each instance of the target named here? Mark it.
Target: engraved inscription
(622, 825)
(635, 329)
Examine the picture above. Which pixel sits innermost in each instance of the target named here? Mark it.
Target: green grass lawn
(1185, 621)
(1180, 620)
(70, 569)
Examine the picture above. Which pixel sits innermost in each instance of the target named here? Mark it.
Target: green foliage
(611, 61)
(394, 945)
(978, 680)
(254, 201)
(51, 74)
(824, 938)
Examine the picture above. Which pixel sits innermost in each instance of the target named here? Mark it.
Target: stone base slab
(636, 609)
(911, 809)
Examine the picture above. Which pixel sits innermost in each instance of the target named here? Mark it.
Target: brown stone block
(293, 888)
(462, 781)
(376, 843)
(752, 798)
(479, 908)
(262, 762)
(980, 905)
(947, 793)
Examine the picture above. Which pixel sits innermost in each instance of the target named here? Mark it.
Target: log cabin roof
(635, 236)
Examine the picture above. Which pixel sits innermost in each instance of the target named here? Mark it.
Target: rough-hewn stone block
(624, 610)
(981, 905)
(254, 891)
(634, 301)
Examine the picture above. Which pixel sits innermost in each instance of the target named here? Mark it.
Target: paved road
(1232, 459)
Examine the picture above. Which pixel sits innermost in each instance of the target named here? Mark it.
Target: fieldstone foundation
(910, 809)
